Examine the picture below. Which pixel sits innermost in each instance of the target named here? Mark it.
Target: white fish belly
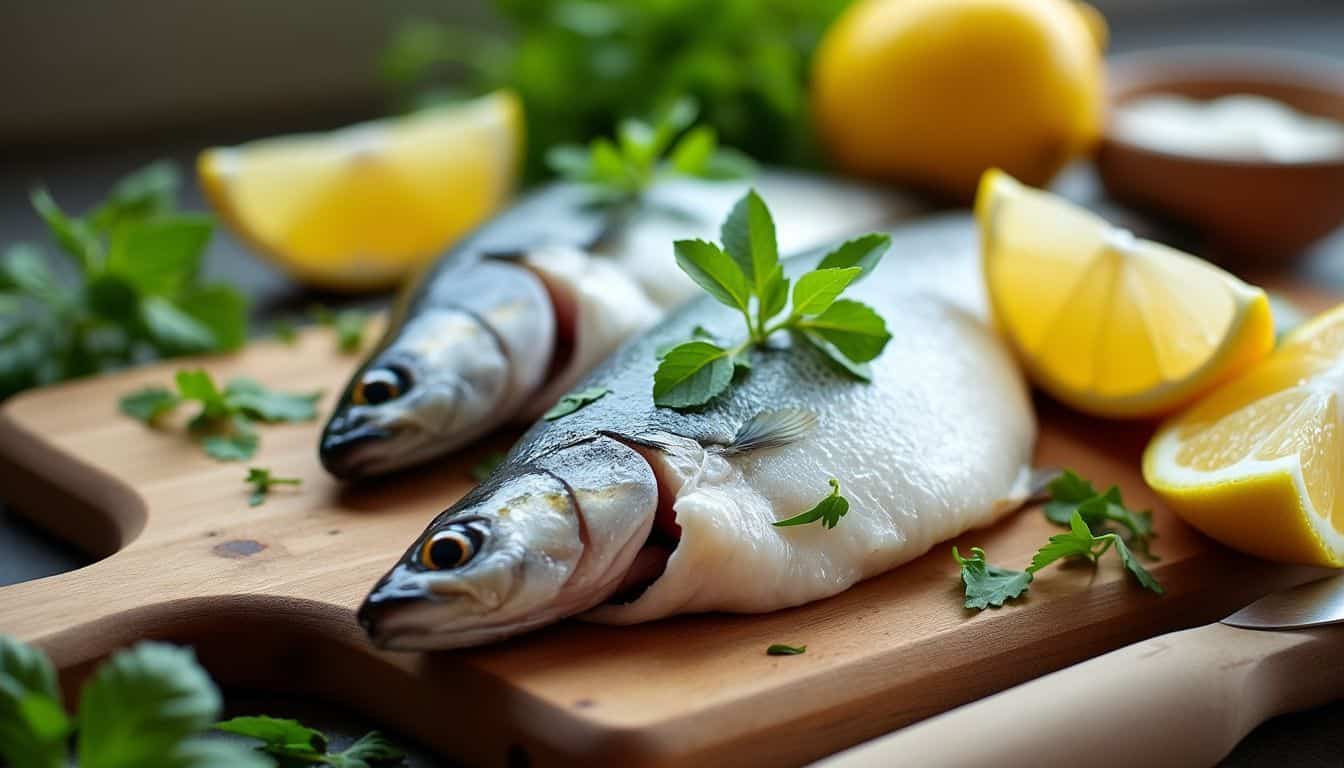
(939, 443)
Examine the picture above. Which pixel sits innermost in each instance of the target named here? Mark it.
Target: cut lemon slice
(361, 207)
(1259, 463)
(1105, 322)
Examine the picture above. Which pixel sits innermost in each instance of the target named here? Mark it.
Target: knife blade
(1180, 699)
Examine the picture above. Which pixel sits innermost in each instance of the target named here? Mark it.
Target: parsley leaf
(621, 171)
(1079, 542)
(291, 740)
(224, 421)
(780, 649)
(746, 274)
(487, 466)
(1071, 493)
(989, 585)
(33, 726)
(574, 401)
(829, 510)
(262, 480)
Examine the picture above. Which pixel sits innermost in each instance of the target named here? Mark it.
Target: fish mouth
(353, 453)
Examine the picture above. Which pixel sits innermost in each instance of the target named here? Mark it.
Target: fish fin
(662, 441)
(772, 429)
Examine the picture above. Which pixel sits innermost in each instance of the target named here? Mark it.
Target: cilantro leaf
(262, 480)
(780, 649)
(853, 328)
(1079, 542)
(482, 470)
(989, 585)
(33, 726)
(829, 510)
(862, 252)
(1071, 493)
(817, 290)
(141, 704)
(149, 404)
(574, 401)
(691, 374)
(748, 236)
(714, 271)
(1133, 565)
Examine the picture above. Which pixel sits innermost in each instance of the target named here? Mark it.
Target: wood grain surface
(266, 594)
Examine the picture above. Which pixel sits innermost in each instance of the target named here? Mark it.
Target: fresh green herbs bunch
(746, 274)
(224, 423)
(128, 291)
(621, 170)
(149, 706)
(581, 65)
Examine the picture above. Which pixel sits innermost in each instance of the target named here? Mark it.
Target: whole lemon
(935, 92)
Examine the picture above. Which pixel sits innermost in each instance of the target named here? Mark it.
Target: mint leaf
(25, 269)
(570, 161)
(574, 401)
(174, 329)
(860, 371)
(817, 290)
(150, 191)
(221, 310)
(196, 384)
(714, 271)
(73, 235)
(33, 726)
(780, 649)
(989, 585)
(160, 255)
(748, 236)
(278, 735)
(692, 153)
(775, 295)
(829, 510)
(148, 404)
(728, 163)
(140, 704)
(862, 252)
(855, 329)
(691, 374)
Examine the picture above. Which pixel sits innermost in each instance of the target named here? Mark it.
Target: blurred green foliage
(127, 291)
(581, 65)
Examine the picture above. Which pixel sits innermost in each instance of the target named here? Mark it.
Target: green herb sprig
(262, 481)
(224, 423)
(149, 705)
(829, 510)
(746, 274)
(575, 401)
(128, 290)
(781, 649)
(621, 170)
(1070, 493)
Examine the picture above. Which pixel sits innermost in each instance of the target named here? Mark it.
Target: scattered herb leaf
(224, 422)
(349, 325)
(487, 466)
(989, 585)
(780, 649)
(293, 741)
(262, 480)
(1079, 542)
(1070, 493)
(574, 401)
(829, 510)
(746, 275)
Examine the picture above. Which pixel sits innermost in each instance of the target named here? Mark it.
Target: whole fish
(509, 319)
(627, 512)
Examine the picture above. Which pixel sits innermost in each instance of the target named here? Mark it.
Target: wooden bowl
(1253, 211)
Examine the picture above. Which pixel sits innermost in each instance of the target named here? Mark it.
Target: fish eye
(451, 547)
(379, 385)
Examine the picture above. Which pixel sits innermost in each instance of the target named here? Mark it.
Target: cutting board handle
(1182, 699)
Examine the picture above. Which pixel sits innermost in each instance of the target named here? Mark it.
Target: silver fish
(625, 512)
(510, 318)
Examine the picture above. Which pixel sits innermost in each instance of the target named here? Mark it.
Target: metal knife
(1180, 699)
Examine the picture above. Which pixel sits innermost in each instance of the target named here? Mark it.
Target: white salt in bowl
(1258, 210)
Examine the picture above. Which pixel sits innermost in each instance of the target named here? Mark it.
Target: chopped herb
(620, 171)
(1079, 542)
(780, 649)
(1070, 493)
(224, 422)
(487, 466)
(349, 325)
(746, 274)
(829, 510)
(130, 289)
(988, 585)
(262, 481)
(574, 401)
(292, 741)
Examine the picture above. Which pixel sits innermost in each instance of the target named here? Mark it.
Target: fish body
(938, 442)
(508, 320)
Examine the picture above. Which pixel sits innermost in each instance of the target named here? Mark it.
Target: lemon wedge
(361, 207)
(1108, 323)
(1259, 464)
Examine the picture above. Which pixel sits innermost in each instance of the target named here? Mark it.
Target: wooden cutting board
(266, 594)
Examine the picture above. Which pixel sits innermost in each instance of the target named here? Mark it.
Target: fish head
(436, 386)
(525, 549)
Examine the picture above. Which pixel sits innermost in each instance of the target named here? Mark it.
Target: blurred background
(95, 89)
